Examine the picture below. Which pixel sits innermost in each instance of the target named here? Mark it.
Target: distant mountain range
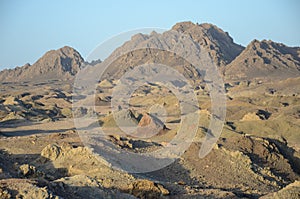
(260, 59)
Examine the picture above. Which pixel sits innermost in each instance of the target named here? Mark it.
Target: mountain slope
(219, 43)
(55, 64)
(263, 59)
(159, 48)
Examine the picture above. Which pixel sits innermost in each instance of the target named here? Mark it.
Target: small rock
(163, 190)
(164, 144)
(180, 182)
(4, 194)
(26, 170)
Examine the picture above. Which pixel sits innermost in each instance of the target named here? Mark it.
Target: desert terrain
(43, 154)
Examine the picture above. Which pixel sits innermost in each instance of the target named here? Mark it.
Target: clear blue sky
(29, 28)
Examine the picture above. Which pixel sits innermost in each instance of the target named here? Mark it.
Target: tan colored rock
(51, 152)
(251, 117)
(27, 170)
(147, 189)
(11, 101)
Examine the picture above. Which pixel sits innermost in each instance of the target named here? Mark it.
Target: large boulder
(149, 126)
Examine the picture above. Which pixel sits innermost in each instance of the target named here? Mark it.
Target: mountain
(265, 59)
(218, 43)
(159, 48)
(55, 64)
(259, 59)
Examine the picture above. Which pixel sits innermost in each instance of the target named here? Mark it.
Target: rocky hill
(55, 64)
(160, 48)
(219, 43)
(265, 59)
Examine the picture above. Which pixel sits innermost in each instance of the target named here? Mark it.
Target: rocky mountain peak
(54, 64)
(219, 43)
(65, 59)
(265, 58)
(269, 47)
(183, 26)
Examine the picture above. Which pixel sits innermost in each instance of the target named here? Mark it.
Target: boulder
(149, 126)
(148, 189)
(51, 152)
(26, 170)
(250, 117)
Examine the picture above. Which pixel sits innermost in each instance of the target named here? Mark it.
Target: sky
(30, 28)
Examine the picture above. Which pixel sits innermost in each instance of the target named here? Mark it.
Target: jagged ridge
(265, 59)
